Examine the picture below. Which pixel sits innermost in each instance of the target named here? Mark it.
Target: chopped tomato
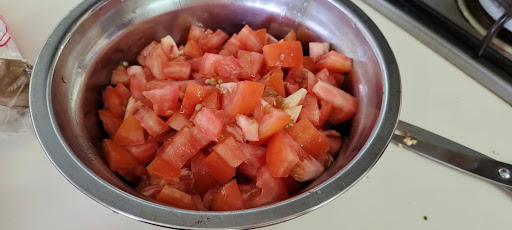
(310, 110)
(150, 121)
(309, 64)
(158, 84)
(248, 193)
(291, 88)
(229, 151)
(195, 33)
(143, 152)
(227, 198)
(177, 121)
(121, 161)
(195, 64)
(261, 110)
(249, 40)
(269, 39)
(231, 47)
(334, 61)
(309, 138)
(137, 82)
(164, 100)
(250, 62)
(219, 168)
(317, 49)
(283, 54)
(180, 148)
(325, 76)
(155, 62)
(186, 181)
(111, 122)
(249, 127)
(149, 76)
(130, 132)
(146, 51)
(208, 196)
(194, 94)
(176, 70)
(293, 185)
(120, 76)
(245, 98)
(255, 159)
(273, 122)
(298, 76)
(290, 36)
(209, 63)
(235, 132)
(123, 92)
(227, 66)
(113, 101)
(325, 113)
(176, 198)
(213, 100)
(209, 122)
(334, 139)
(275, 82)
(169, 47)
(273, 189)
(203, 180)
(307, 168)
(199, 202)
(210, 41)
(192, 49)
(262, 34)
(344, 104)
(281, 155)
(159, 168)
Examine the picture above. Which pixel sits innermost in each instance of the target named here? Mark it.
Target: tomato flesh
(227, 198)
(281, 154)
(150, 121)
(309, 138)
(121, 161)
(176, 198)
(230, 152)
(283, 54)
(159, 168)
(130, 132)
(219, 168)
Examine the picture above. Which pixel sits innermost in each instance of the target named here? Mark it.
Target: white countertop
(397, 193)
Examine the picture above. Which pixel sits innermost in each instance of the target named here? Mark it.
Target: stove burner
(482, 22)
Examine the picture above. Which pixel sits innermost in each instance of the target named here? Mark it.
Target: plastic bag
(14, 84)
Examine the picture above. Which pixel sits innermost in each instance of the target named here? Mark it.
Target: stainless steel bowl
(78, 57)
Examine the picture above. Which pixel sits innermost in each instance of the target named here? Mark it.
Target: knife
(452, 154)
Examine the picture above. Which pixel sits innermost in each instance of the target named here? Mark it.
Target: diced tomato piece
(213, 100)
(281, 155)
(143, 152)
(334, 139)
(194, 94)
(275, 82)
(209, 122)
(123, 92)
(150, 121)
(177, 121)
(149, 76)
(269, 39)
(176, 70)
(195, 33)
(227, 66)
(249, 192)
(317, 49)
(130, 132)
(290, 36)
(133, 106)
(235, 132)
(121, 161)
(227, 198)
(192, 49)
(161, 137)
(210, 41)
(307, 169)
(231, 47)
(200, 140)
(186, 181)
(291, 88)
(110, 121)
(208, 196)
(309, 138)
(249, 40)
(325, 113)
(334, 61)
(249, 127)
(255, 159)
(158, 84)
(199, 202)
(273, 122)
(169, 47)
(251, 63)
(176, 198)
(309, 64)
(137, 82)
(164, 100)
(229, 151)
(325, 76)
(310, 110)
(344, 104)
(209, 63)
(293, 185)
(272, 189)
(298, 76)
(120, 76)
(155, 62)
(283, 54)
(113, 101)
(151, 190)
(219, 168)
(146, 51)
(180, 148)
(245, 98)
(262, 34)
(195, 64)
(159, 168)
(203, 180)
(339, 78)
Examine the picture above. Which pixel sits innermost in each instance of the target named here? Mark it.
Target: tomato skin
(245, 98)
(159, 168)
(130, 132)
(281, 155)
(273, 189)
(334, 61)
(309, 138)
(249, 40)
(325, 113)
(203, 180)
(121, 161)
(192, 49)
(290, 36)
(262, 34)
(344, 104)
(113, 101)
(179, 71)
(227, 198)
(150, 121)
(230, 152)
(209, 122)
(194, 94)
(219, 168)
(143, 152)
(310, 110)
(283, 54)
(176, 198)
(272, 123)
(110, 121)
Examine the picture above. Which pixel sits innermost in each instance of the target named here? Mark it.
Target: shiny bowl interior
(75, 65)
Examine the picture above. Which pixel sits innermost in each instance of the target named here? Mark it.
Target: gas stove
(474, 35)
